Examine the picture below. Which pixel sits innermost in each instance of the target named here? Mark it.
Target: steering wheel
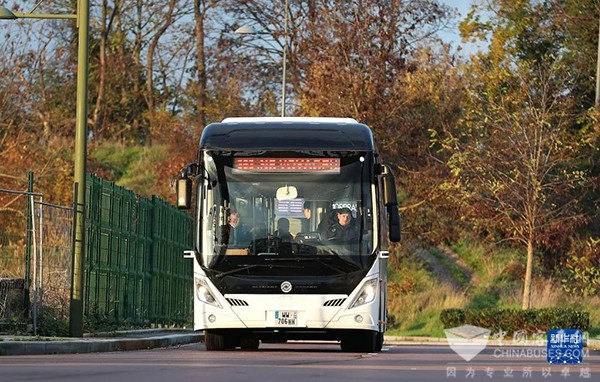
(264, 244)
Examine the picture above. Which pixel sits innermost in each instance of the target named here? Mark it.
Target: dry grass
(12, 260)
(546, 293)
(418, 313)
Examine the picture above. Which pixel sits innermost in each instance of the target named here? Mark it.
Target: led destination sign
(277, 165)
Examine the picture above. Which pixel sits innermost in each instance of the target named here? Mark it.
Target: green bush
(512, 320)
(452, 317)
(581, 273)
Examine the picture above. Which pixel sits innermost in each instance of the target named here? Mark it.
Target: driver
(283, 230)
(344, 228)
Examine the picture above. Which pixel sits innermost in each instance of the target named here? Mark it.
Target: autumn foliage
(501, 143)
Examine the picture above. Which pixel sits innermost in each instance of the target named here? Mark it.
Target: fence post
(155, 276)
(29, 240)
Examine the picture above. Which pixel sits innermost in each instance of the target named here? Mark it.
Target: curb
(401, 340)
(97, 345)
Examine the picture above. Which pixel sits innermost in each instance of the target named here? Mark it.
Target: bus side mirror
(394, 223)
(390, 199)
(184, 192)
(183, 186)
(389, 190)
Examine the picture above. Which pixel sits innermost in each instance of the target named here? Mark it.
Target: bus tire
(249, 343)
(361, 341)
(348, 345)
(214, 341)
(379, 343)
(368, 342)
(231, 342)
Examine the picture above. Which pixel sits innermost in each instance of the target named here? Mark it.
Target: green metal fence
(135, 270)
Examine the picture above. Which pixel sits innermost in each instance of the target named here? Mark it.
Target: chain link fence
(35, 262)
(14, 301)
(51, 264)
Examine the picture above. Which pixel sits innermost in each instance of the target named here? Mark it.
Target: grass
(458, 273)
(416, 296)
(37, 338)
(418, 314)
(129, 166)
(415, 300)
(488, 263)
(12, 260)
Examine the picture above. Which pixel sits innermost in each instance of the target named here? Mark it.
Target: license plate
(285, 318)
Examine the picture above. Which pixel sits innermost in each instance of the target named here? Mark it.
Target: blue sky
(462, 6)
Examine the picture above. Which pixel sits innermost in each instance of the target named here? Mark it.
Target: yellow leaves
(472, 29)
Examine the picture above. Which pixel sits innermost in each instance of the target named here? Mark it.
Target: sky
(453, 36)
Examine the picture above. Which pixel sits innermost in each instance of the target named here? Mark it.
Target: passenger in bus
(305, 221)
(283, 230)
(234, 232)
(344, 228)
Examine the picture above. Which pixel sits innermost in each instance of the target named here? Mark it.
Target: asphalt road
(296, 362)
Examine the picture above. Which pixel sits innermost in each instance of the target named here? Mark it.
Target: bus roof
(287, 133)
(288, 119)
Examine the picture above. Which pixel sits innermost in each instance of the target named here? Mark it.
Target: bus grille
(336, 302)
(237, 302)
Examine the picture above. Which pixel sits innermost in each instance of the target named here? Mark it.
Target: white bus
(293, 216)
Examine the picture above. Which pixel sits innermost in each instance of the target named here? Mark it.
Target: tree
(532, 30)
(201, 8)
(517, 157)
(380, 63)
(513, 159)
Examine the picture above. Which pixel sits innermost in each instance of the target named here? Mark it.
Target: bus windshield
(288, 214)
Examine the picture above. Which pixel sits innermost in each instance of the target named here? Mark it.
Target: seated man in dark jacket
(234, 232)
(344, 228)
(283, 230)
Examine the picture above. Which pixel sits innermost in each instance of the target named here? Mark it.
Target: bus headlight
(367, 293)
(204, 294)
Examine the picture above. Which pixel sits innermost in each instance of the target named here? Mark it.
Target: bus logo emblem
(286, 287)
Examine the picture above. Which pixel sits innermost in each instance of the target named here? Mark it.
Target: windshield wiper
(250, 266)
